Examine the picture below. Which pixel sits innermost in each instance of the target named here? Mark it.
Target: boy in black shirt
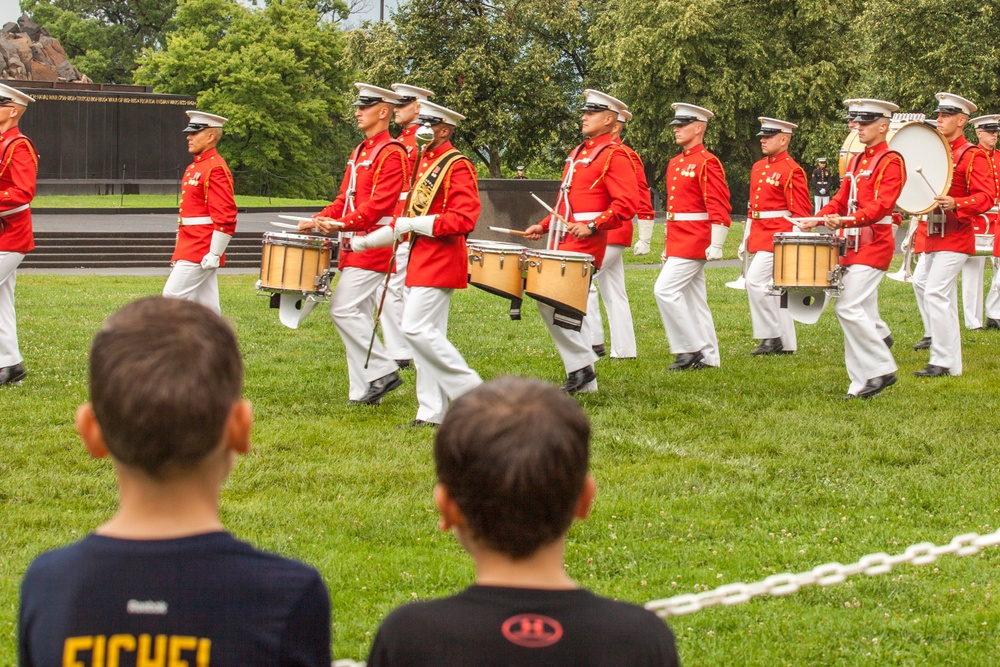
(511, 460)
(162, 583)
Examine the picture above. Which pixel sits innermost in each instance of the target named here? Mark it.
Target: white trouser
(856, 309)
(941, 300)
(574, 346)
(919, 282)
(682, 298)
(820, 202)
(611, 281)
(973, 274)
(9, 352)
(351, 309)
(993, 297)
(769, 319)
(187, 280)
(442, 373)
(392, 310)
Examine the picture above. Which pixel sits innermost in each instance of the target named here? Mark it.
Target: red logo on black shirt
(532, 630)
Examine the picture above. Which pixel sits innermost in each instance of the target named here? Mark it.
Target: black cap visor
(193, 128)
(365, 101)
(768, 132)
(430, 120)
(683, 120)
(989, 127)
(403, 101)
(945, 110)
(593, 106)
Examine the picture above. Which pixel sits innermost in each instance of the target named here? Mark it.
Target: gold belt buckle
(670, 215)
(755, 215)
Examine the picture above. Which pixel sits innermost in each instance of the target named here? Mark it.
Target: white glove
(663, 256)
(379, 238)
(742, 250)
(218, 246)
(719, 233)
(645, 236)
(422, 224)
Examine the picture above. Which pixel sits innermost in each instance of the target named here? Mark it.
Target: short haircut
(513, 454)
(164, 376)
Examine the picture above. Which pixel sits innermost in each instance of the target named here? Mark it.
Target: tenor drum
(296, 263)
(559, 278)
(804, 260)
(496, 267)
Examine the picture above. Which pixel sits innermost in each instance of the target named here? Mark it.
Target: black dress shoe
(888, 340)
(686, 360)
(848, 397)
(923, 344)
(992, 323)
(875, 385)
(931, 371)
(380, 387)
(404, 363)
(417, 423)
(579, 379)
(768, 346)
(599, 350)
(12, 374)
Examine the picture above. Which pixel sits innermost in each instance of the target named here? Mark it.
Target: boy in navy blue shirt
(512, 459)
(162, 582)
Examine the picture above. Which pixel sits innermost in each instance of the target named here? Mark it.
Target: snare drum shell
(559, 279)
(804, 260)
(294, 263)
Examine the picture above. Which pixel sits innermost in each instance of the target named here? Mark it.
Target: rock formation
(29, 53)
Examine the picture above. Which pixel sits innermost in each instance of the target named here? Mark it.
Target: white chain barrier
(829, 574)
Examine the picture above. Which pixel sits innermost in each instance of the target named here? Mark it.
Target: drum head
(477, 244)
(567, 255)
(923, 147)
(300, 240)
(851, 147)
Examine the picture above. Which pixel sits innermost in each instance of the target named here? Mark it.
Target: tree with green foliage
(103, 38)
(275, 72)
(513, 69)
(741, 59)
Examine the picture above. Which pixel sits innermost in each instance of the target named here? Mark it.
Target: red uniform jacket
(696, 183)
(877, 195)
(605, 188)
(974, 190)
(18, 170)
(409, 140)
(623, 235)
(777, 183)
(442, 260)
(993, 218)
(379, 165)
(206, 197)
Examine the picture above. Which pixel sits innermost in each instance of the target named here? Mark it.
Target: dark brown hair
(164, 376)
(513, 454)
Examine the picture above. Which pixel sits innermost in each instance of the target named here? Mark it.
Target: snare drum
(559, 278)
(806, 260)
(296, 263)
(496, 267)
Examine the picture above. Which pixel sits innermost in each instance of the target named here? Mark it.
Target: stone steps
(101, 250)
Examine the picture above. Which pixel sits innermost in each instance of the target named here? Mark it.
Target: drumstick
(797, 221)
(298, 218)
(920, 170)
(284, 225)
(506, 231)
(549, 209)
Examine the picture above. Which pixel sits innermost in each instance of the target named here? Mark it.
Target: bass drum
(927, 157)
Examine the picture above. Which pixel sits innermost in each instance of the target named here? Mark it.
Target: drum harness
(352, 184)
(557, 230)
(853, 236)
(936, 221)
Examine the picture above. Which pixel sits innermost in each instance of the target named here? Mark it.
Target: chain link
(828, 574)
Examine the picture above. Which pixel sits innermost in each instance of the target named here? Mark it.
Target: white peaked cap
(870, 108)
(624, 116)
(369, 95)
(991, 122)
(685, 113)
(598, 101)
(15, 95)
(408, 93)
(772, 126)
(951, 103)
(437, 112)
(199, 120)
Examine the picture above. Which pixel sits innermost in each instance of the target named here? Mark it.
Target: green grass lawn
(705, 478)
(156, 201)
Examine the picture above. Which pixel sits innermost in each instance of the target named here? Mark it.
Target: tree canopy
(275, 73)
